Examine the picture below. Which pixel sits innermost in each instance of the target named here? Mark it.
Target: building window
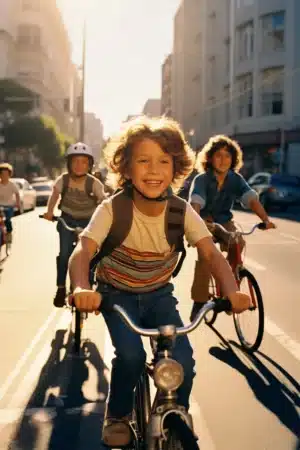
(226, 105)
(245, 96)
(272, 91)
(273, 32)
(29, 35)
(245, 42)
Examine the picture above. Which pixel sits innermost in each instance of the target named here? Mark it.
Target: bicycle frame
(79, 316)
(237, 262)
(149, 425)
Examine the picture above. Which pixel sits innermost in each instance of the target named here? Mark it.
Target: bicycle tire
(77, 331)
(210, 317)
(179, 434)
(244, 273)
(141, 411)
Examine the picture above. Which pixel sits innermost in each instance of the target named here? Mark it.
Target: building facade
(93, 135)
(241, 76)
(35, 55)
(152, 107)
(166, 91)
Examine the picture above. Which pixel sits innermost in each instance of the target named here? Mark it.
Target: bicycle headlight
(168, 374)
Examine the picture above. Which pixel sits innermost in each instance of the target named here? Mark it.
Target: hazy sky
(127, 41)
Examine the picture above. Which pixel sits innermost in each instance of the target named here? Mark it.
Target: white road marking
(286, 341)
(289, 236)
(21, 393)
(13, 375)
(254, 264)
(201, 428)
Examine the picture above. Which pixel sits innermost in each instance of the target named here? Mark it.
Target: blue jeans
(66, 246)
(9, 213)
(148, 310)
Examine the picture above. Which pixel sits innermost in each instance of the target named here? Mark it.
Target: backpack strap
(89, 185)
(174, 228)
(65, 184)
(122, 209)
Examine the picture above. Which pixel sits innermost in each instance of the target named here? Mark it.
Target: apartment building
(35, 58)
(93, 134)
(166, 91)
(236, 70)
(152, 107)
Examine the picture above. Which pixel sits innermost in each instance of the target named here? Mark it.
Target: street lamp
(82, 128)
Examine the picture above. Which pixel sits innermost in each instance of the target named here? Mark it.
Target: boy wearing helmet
(9, 197)
(80, 193)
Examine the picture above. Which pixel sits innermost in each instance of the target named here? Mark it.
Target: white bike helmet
(80, 149)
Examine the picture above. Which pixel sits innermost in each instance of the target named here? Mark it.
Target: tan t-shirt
(8, 193)
(145, 261)
(98, 188)
(76, 202)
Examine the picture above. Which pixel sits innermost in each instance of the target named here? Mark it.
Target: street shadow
(278, 394)
(58, 414)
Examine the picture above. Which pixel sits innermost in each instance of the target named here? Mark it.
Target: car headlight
(168, 374)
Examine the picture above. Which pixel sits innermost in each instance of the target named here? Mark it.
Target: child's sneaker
(116, 432)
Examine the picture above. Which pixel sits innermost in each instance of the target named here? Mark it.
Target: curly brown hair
(162, 130)
(215, 143)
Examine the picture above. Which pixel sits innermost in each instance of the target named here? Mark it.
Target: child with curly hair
(212, 195)
(148, 161)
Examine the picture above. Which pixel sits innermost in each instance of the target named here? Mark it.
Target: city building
(152, 107)
(166, 91)
(236, 70)
(36, 67)
(93, 135)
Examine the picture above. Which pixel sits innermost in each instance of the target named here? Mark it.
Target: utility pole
(82, 130)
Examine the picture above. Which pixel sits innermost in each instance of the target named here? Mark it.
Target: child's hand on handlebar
(48, 216)
(239, 302)
(86, 300)
(269, 225)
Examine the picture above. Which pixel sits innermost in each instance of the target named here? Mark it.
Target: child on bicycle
(212, 195)
(149, 159)
(9, 197)
(80, 193)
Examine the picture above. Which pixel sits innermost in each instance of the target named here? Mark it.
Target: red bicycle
(249, 336)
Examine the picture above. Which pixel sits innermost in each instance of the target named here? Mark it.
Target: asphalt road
(50, 400)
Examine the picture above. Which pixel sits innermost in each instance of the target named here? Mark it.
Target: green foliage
(40, 134)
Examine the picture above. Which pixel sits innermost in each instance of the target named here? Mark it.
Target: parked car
(39, 179)
(280, 189)
(43, 192)
(27, 195)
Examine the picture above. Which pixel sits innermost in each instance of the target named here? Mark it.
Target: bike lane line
(22, 361)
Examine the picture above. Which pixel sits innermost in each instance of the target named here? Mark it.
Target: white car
(43, 191)
(27, 195)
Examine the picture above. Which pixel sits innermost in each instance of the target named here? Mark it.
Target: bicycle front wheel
(249, 325)
(179, 435)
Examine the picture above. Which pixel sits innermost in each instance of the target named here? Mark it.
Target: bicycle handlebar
(63, 222)
(218, 305)
(260, 226)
